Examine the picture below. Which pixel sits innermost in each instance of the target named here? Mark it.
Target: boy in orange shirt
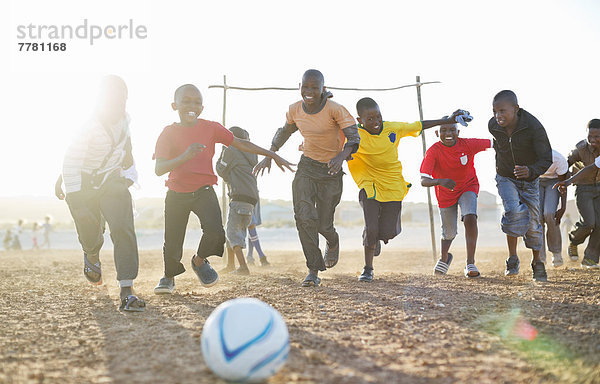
(317, 186)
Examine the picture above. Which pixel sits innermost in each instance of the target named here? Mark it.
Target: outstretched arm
(250, 147)
(434, 123)
(585, 172)
(281, 136)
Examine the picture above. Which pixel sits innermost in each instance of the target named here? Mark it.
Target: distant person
(330, 137)
(523, 153)
(587, 195)
(185, 150)
(16, 239)
(34, 236)
(449, 166)
(377, 171)
(47, 228)
(235, 167)
(253, 241)
(551, 214)
(96, 189)
(7, 241)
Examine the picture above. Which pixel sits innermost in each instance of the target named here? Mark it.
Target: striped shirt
(88, 150)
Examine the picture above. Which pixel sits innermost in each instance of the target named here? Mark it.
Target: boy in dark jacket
(523, 153)
(235, 167)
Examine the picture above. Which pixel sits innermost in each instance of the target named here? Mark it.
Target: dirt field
(406, 327)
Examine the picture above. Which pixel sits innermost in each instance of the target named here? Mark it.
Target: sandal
(311, 280)
(441, 268)
(471, 271)
(88, 268)
(132, 303)
(332, 254)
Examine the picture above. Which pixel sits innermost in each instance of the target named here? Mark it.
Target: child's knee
(470, 220)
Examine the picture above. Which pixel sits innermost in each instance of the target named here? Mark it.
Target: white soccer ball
(245, 340)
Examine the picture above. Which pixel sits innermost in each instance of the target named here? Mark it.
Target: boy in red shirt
(185, 150)
(448, 166)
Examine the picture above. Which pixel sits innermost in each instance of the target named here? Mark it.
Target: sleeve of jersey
(563, 166)
(406, 129)
(428, 164)
(223, 135)
(343, 117)
(162, 150)
(478, 145)
(289, 116)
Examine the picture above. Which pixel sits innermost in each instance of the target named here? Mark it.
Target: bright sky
(546, 51)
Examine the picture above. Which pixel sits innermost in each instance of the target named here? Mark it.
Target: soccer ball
(245, 340)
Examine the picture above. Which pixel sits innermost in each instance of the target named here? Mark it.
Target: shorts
(256, 219)
(238, 220)
(382, 219)
(468, 206)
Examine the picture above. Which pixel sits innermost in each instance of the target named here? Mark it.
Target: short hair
(240, 133)
(506, 95)
(594, 124)
(365, 103)
(314, 73)
(180, 89)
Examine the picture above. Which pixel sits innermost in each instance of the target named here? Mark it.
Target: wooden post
(223, 186)
(431, 222)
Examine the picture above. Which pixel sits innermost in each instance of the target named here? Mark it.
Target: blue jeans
(521, 217)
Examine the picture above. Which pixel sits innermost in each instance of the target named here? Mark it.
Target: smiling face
(311, 90)
(594, 138)
(505, 113)
(188, 103)
(448, 134)
(371, 120)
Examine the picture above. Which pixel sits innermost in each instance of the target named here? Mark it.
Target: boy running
(185, 150)
(235, 167)
(523, 153)
(317, 186)
(378, 174)
(448, 166)
(97, 190)
(587, 195)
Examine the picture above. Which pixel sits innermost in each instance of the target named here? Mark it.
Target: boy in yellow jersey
(378, 173)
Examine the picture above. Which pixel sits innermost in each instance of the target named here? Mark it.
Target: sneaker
(207, 275)
(264, 262)
(377, 248)
(512, 266)
(539, 271)
(242, 271)
(165, 286)
(250, 261)
(572, 251)
(557, 260)
(588, 263)
(366, 275)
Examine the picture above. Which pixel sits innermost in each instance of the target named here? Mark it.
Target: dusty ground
(406, 327)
